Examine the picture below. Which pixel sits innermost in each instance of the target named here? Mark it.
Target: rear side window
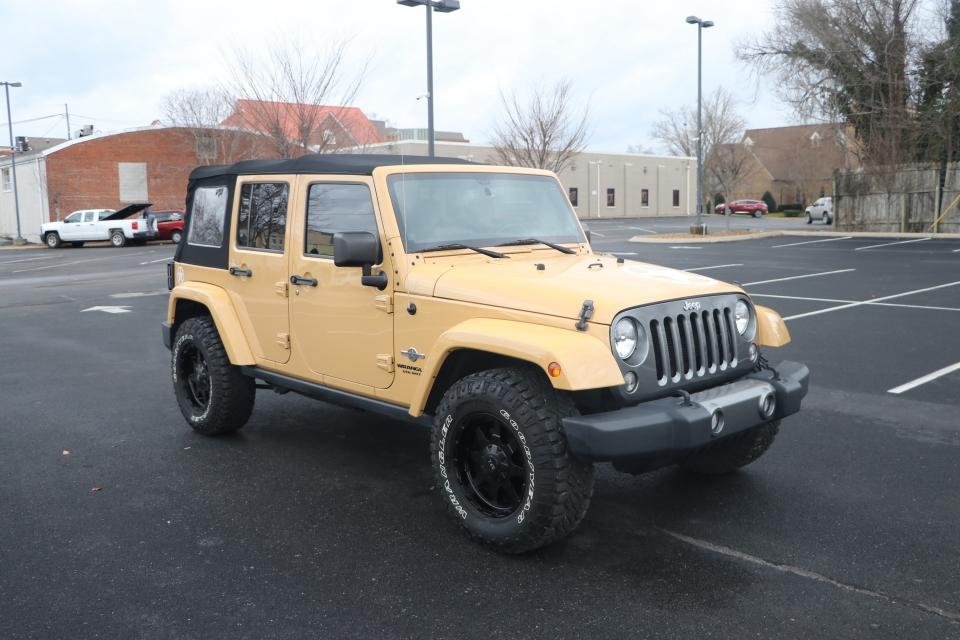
(332, 208)
(262, 219)
(207, 216)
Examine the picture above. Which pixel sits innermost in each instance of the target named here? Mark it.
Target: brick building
(112, 170)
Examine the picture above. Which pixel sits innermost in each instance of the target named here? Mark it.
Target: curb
(653, 239)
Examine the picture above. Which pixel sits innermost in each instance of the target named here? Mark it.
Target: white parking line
(955, 251)
(641, 229)
(795, 244)
(939, 373)
(858, 304)
(807, 275)
(599, 235)
(624, 253)
(865, 302)
(686, 247)
(27, 259)
(155, 261)
(716, 266)
(140, 294)
(890, 244)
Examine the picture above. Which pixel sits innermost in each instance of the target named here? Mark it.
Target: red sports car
(169, 225)
(756, 208)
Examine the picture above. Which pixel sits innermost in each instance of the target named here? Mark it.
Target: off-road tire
(729, 454)
(52, 240)
(557, 487)
(76, 244)
(231, 394)
(176, 237)
(117, 238)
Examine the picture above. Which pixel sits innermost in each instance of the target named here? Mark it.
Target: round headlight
(741, 314)
(625, 337)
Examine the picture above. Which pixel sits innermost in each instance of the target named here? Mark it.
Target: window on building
(676, 197)
(262, 218)
(329, 137)
(332, 208)
(611, 197)
(644, 197)
(6, 181)
(207, 215)
(574, 196)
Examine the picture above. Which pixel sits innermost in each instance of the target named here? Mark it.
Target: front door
(258, 265)
(72, 227)
(343, 330)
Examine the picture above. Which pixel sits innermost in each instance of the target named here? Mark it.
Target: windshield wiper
(457, 245)
(558, 247)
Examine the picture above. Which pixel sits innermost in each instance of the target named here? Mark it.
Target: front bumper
(670, 427)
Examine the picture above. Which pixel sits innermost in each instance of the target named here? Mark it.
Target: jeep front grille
(693, 345)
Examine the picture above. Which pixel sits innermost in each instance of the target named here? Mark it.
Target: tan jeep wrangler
(467, 298)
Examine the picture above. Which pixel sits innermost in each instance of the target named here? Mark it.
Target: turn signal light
(554, 369)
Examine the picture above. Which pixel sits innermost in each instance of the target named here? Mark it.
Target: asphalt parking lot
(316, 521)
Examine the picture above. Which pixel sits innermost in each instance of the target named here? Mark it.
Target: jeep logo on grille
(691, 305)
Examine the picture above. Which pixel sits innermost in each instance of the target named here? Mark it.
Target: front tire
(501, 460)
(733, 452)
(213, 395)
(757, 214)
(117, 238)
(52, 240)
(176, 237)
(809, 218)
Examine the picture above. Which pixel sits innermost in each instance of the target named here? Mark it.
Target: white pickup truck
(91, 225)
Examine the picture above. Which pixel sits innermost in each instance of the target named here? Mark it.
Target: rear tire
(501, 461)
(52, 240)
(757, 214)
(809, 218)
(213, 395)
(827, 219)
(733, 452)
(117, 238)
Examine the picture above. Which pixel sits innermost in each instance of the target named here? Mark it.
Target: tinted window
(262, 219)
(207, 215)
(676, 197)
(332, 208)
(611, 197)
(76, 216)
(644, 197)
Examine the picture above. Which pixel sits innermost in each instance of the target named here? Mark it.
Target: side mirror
(359, 249)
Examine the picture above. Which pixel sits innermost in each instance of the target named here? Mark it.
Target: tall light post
(443, 6)
(13, 159)
(701, 25)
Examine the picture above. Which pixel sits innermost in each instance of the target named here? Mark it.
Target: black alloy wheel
(194, 377)
(491, 464)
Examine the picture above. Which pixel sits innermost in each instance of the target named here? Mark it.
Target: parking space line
(599, 235)
(67, 264)
(806, 275)
(27, 259)
(955, 251)
(865, 302)
(890, 244)
(716, 266)
(624, 253)
(155, 261)
(678, 247)
(913, 384)
(795, 244)
(875, 300)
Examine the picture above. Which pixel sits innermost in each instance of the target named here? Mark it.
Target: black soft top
(336, 163)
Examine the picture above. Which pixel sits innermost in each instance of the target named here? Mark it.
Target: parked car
(169, 224)
(466, 298)
(91, 225)
(821, 209)
(756, 208)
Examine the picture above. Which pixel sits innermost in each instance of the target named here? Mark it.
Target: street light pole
(13, 160)
(443, 6)
(701, 25)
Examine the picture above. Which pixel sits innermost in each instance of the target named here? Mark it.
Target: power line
(55, 115)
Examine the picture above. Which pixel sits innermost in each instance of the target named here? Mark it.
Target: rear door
(258, 264)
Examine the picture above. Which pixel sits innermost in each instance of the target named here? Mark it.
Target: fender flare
(217, 302)
(585, 361)
(771, 329)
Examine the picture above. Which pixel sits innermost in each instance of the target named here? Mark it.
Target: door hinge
(385, 362)
(385, 303)
(283, 289)
(283, 339)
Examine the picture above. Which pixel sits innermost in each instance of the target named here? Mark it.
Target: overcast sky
(627, 58)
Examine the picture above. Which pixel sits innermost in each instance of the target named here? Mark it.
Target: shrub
(769, 201)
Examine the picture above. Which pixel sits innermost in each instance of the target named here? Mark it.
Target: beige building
(599, 185)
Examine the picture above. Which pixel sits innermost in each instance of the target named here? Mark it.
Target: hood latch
(586, 312)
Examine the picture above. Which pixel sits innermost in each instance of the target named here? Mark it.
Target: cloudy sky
(627, 58)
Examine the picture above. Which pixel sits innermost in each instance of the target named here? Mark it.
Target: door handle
(237, 271)
(309, 282)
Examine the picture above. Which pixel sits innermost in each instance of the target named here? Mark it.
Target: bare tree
(851, 61)
(282, 92)
(545, 131)
(200, 113)
(728, 166)
(677, 128)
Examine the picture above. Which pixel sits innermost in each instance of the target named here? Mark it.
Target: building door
(343, 329)
(258, 265)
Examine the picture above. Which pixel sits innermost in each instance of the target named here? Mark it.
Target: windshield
(480, 209)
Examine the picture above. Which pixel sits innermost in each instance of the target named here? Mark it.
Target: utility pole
(430, 133)
(701, 25)
(13, 161)
(66, 110)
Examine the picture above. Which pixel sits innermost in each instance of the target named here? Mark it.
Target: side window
(332, 208)
(676, 197)
(74, 217)
(262, 219)
(644, 197)
(207, 215)
(611, 197)
(89, 216)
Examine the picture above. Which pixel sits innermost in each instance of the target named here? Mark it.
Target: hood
(562, 285)
(126, 212)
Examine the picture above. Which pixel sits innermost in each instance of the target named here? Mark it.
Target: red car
(756, 208)
(169, 225)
